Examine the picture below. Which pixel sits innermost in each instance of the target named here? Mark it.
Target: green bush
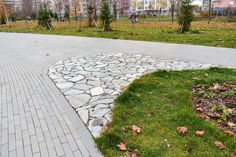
(44, 19)
(185, 15)
(105, 17)
(2, 20)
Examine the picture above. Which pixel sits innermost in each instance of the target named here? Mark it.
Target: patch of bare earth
(217, 102)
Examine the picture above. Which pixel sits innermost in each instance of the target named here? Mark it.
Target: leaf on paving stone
(135, 129)
(122, 146)
(200, 133)
(182, 130)
(229, 133)
(219, 145)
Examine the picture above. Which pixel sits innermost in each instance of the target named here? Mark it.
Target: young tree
(185, 15)
(105, 16)
(43, 18)
(209, 11)
(114, 4)
(90, 11)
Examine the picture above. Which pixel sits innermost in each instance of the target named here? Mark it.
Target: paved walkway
(36, 120)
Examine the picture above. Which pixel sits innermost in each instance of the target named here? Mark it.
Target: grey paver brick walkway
(35, 119)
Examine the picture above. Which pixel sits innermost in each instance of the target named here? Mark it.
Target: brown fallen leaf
(229, 133)
(199, 110)
(219, 145)
(123, 88)
(130, 154)
(234, 153)
(182, 130)
(122, 146)
(135, 129)
(200, 133)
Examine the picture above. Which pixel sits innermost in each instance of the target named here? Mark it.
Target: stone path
(35, 118)
(91, 83)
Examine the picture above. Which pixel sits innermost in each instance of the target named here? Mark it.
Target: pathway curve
(91, 83)
(35, 118)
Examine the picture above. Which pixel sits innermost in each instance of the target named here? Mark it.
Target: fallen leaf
(122, 146)
(219, 145)
(123, 88)
(215, 86)
(200, 133)
(229, 133)
(231, 124)
(130, 154)
(234, 153)
(182, 130)
(199, 110)
(135, 129)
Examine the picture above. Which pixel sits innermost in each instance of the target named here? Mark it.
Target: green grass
(167, 96)
(217, 34)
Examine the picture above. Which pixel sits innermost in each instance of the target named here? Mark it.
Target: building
(224, 7)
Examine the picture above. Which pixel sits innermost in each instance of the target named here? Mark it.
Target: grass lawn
(219, 34)
(159, 103)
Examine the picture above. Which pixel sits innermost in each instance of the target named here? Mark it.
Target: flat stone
(64, 85)
(94, 83)
(78, 100)
(84, 115)
(82, 86)
(96, 91)
(73, 92)
(100, 112)
(77, 78)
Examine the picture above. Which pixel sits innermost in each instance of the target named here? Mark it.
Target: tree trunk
(209, 12)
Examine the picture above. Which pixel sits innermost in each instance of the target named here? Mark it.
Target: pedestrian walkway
(35, 118)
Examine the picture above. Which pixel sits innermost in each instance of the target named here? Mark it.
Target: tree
(114, 4)
(43, 18)
(185, 15)
(105, 16)
(91, 21)
(209, 11)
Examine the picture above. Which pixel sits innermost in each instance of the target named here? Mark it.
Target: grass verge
(159, 103)
(218, 34)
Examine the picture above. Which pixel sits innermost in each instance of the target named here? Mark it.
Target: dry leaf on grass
(199, 110)
(234, 153)
(122, 146)
(135, 129)
(200, 133)
(229, 133)
(219, 145)
(130, 154)
(182, 130)
(123, 88)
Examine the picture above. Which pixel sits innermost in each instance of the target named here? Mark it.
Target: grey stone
(84, 115)
(78, 100)
(96, 91)
(82, 86)
(64, 85)
(77, 78)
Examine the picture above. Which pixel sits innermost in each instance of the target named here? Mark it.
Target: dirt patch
(217, 102)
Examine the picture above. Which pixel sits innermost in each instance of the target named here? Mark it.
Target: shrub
(2, 20)
(185, 16)
(106, 17)
(43, 18)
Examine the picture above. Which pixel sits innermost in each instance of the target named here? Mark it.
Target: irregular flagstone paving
(91, 83)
